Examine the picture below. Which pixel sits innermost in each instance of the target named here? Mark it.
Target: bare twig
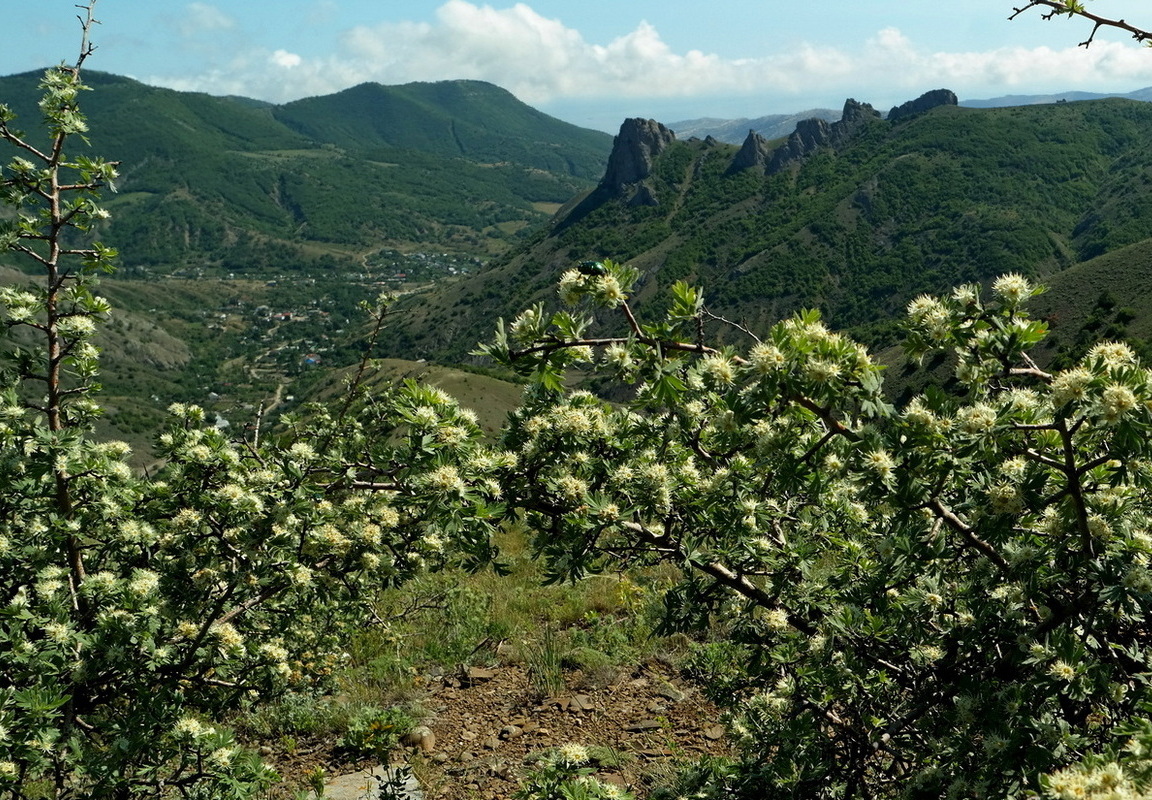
(1071, 8)
(705, 313)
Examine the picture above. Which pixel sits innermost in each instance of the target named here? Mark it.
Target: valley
(242, 269)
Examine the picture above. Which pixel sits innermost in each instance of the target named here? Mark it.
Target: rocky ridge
(925, 102)
(813, 134)
(639, 142)
(755, 152)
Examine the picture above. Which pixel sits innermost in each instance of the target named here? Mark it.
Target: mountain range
(236, 185)
(253, 224)
(775, 126)
(855, 217)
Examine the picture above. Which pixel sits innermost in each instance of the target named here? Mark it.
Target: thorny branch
(1074, 8)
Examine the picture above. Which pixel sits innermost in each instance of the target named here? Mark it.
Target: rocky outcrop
(753, 153)
(812, 134)
(639, 142)
(925, 102)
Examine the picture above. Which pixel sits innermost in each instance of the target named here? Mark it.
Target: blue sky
(594, 62)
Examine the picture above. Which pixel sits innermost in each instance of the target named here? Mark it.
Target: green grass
(491, 398)
(583, 633)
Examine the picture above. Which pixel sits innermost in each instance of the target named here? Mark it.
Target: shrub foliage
(949, 598)
(136, 610)
(945, 598)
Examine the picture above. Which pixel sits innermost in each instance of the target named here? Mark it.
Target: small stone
(420, 737)
(491, 743)
(657, 708)
(643, 725)
(530, 726)
(479, 674)
(265, 750)
(468, 735)
(670, 692)
(440, 758)
(715, 732)
(367, 783)
(511, 732)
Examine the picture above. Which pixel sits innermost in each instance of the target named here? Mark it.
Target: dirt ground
(485, 724)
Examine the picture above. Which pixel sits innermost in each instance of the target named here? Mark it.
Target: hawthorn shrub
(135, 611)
(949, 598)
(945, 599)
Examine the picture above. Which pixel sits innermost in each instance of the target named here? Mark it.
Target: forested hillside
(232, 185)
(856, 229)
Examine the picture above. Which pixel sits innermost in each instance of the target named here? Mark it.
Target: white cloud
(198, 18)
(541, 61)
(282, 58)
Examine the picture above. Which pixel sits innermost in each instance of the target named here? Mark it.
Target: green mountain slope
(472, 120)
(856, 229)
(230, 185)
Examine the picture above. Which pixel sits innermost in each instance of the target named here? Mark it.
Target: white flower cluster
(1012, 288)
(1107, 782)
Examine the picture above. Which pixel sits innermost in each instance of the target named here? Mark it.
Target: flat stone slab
(366, 785)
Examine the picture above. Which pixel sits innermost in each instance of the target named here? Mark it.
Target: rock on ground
(367, 785)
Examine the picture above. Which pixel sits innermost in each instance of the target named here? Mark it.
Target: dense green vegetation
(452, 119)
(230, 186)
(945, 596)
(903, 208)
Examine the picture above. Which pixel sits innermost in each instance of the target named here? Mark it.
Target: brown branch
(721, 573)
(632, 323)
(969, 534)
(1043, 459)
(1075, 488)
(1065, 8)
(376, 487)
(825, 414)
(1030, 372)
(669, 344)
(716, 318)
(8, 135)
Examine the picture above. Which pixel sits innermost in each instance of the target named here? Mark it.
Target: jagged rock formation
(925, 102)
(634, 148)
(813, 134)
(753, 153)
